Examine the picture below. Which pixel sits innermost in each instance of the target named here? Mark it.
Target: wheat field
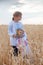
(35, 38)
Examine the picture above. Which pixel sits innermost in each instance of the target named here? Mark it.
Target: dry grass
(35, 37)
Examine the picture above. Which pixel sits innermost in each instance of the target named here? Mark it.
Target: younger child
(22, 43)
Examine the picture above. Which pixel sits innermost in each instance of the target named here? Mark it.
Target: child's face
(20, 32)
(17, 18)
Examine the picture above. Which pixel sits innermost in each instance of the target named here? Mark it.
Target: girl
(12, 27)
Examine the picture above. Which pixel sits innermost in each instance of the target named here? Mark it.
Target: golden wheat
(35, 37)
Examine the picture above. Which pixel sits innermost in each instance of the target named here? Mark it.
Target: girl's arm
(10, 30)
(22, 27)
(25, 34)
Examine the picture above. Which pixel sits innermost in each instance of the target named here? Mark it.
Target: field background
(35, 37)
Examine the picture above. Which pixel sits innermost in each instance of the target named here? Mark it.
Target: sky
(32, 11)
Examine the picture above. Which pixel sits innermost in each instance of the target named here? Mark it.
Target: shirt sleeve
(22, 27)
(10, 30)
(25, 35)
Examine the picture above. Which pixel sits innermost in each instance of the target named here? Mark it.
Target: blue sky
(32, 11)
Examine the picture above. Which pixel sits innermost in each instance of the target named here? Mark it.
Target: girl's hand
(14, 36)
